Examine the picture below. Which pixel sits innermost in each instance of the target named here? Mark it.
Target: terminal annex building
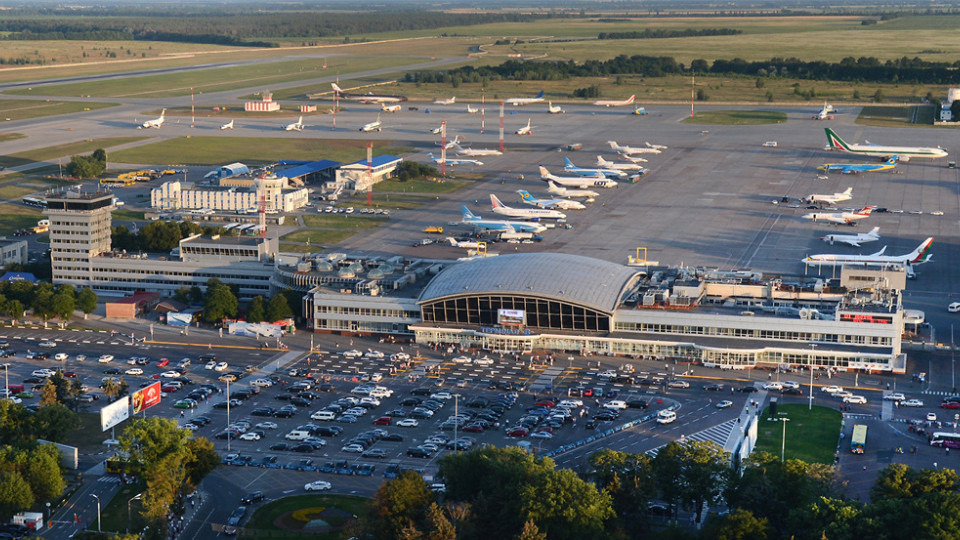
(568, 303)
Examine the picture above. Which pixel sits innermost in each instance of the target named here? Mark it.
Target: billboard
(511, 317)
(179, 319)
(146, 397)
(268, 330)
(114, 413)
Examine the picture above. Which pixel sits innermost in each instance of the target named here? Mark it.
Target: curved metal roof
(588, 282)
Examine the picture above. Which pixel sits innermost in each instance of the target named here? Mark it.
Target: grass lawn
(316, 236)
(387, 201)
(11, 136)
(280, 519)
(87, 436)
(15, 191)
(300, 248)
(812, 435)
(18, 217)
(207, 150)
(22, 109)
(63, 150)
(114, 513)
(421, 185)
(889, 116)
(737, 118)
(123, 213)
(343, 222)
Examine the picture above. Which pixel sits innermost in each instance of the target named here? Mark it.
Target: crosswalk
(937, 392)
(718, 434)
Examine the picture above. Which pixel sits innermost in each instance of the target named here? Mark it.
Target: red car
(950, 405)
(168, 389)
(383, 421)
(69, 374)
(545, 403)
(517, 432)
(588, 392)
(163, 362)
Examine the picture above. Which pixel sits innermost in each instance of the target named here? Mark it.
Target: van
(666, 417)
(323, 415)
(297, 435)
(615, 404)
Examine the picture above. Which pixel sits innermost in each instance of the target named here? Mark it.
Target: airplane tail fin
(162, 112)
(467, 214)
(601, 162)
(848, 191)
(544, 172)
(866, 210)
(835, 141)
(631, 98)
(495, 202)
(613, 144)
(336, 88)
(525, 195)
(921, 254)
(892, 160)
(874, 232)
(568, 163)
(540, 95)
(880, 253)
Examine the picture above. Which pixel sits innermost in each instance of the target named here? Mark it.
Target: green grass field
(343, 222)
(811, 435)
(418, 186)
(63, 150)
(17, 216)
(736, 118)
(889, 116)
(124, 214)
(22, 109)
(207, 150)
(280, 519)
(114, 514)
(4, 137)
(15, 191)
(302, 248)
(319, 236)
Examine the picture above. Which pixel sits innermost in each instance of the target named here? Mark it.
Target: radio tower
(443, 148)
(263, 215)
(501, 126)
(370, 173)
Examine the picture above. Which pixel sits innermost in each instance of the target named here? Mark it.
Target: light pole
(228, 414)
(6, 378)
(129, 515)
(813, 349)
(953, 363)
(94, 495)
(783, 442)
(456, 414)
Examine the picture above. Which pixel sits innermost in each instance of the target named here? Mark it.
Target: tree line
(659, 33)
(160, 236)
(864, 69)
(220, 302)
(46, 300)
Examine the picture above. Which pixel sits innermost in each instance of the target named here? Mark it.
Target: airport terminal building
(552, 302)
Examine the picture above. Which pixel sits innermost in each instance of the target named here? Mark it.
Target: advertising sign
(146, 397)
(511, 317)
(114, 413)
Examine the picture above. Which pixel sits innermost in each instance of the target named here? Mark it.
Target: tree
(40, 468)
(440, 527)
(220, 303)
(565, 506)
(737, 525)
(666, 472)
(278, 308)
(530, 532)
(87, 301)
(955, 110)
(15, 494)
(100, 155)
(255, 311)
(63, 305)
(14, 309)
(43, 305)
(53, 421)
(203, 459)
(85, 167)
(48, 394)
(112, 388)
(398, 503)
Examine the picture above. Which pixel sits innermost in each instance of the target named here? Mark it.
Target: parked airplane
(568, 166)
(844, 218)
(632, 159)
(524, 213)
(525, 101)
(525, 130)
(373, 126)
(471, 110)
(632, 149)
(831, 200)
(296, 126)
(466, 244)
(824, 113)
(469, 218)
(615, 103)
(581, 182)
(450, 101)
(228, 125)
(156, 122)
(436, 130)
(853, 239)
(855, 168)
(475, 151)
(618, 166)
(562, 204)
(904, 153)
(919, 255)
(553, 110)
(453, 161)
(556, 189)
(656, 146)
(366, 98)
(390, 108)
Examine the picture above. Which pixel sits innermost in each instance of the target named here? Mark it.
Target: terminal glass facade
(483, 310)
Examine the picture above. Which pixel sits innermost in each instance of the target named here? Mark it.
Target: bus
(859, 440)
(945, 439)
(34, 202)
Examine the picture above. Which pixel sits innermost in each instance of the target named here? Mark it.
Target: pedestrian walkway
(718, 434)
(937, 392)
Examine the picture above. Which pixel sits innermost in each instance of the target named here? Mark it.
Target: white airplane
(524, 213)
(471, 110)
(156, 122)
(632, 149)
(436, 131)
(568, 166)
(853, 239)
(562, 204)
(824, 113)
(618, 166)
(453, 161)
(466, 244)
(556, 189)
(475, 151)
(903, 153)
(525, 101)
(373, 126)
(919, 255)
(843, 218)
(581, 182)
(525, 130)
(632, 159)
(228, 125)
(296, 126)
(450, 101)
(656, 146)
(366, 98)
(469, 218)
(831, 200)
(614, 103)
(553, 110)
(390, 108)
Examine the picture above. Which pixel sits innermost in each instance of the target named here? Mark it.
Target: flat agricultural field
(207, 150)
(22, 109)
(63, 150)
(811, 435)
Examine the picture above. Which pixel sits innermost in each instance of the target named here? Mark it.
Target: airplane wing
(853, 243)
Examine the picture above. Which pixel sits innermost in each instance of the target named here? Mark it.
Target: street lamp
(94, 495)
(783, 442)
(129, 518)
(813, 356)
(228, 414)
(456, 414)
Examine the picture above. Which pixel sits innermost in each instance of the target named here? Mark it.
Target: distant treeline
(239, 28)
(863, 69)
(656, 33)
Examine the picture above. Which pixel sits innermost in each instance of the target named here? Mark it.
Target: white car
(267, 383)
(541, 435)
(931, 417)
(678, 384)
(485, 361)
(442, 395)
(896, 396)
(47, 344)
(61, 356)
(608, 374)
(912, 403)
(105, 358)
(352, 354)
(855, 399)
(81, 357)
(250, 436)
(408, 422)
(833, 389)
(211, 364)
(266, 425)
(773, 386)
(43, 372)
(400, 357)
(319, 485)
(372, 354)
(462, 360)
(352, 449)
(170, 374)
(222, 366)
(323, 415)
(370, 401)
(790, 384)
(666, 417)
(725, 404)
(134, 371)
(954, 307)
